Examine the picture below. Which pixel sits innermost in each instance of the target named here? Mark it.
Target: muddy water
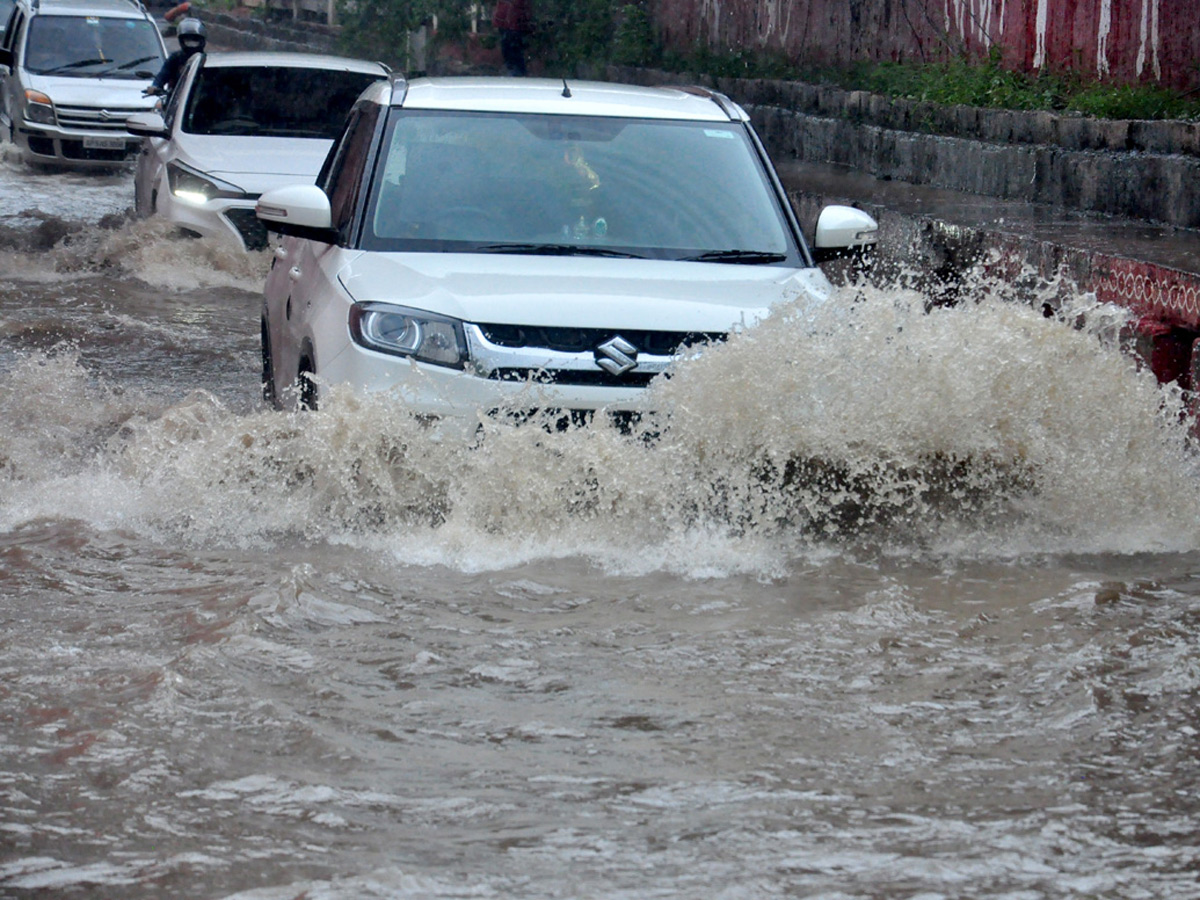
(895, 604)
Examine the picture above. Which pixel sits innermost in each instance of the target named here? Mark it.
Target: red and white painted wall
(1126, 41)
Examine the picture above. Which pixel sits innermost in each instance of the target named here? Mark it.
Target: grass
(989, 85)
(984, 84)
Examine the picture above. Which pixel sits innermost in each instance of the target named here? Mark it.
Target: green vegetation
(990, 85)
(379, 29)
(571, 33)
(568, 33)
(985, 84)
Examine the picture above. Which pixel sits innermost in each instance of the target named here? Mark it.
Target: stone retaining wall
(244, 32)
(1132, 169)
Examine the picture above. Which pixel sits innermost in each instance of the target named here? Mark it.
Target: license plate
(103, 143)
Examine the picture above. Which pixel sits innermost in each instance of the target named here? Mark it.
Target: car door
(150, 171)
(311, 290)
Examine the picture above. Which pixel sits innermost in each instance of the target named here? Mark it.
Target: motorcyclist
(192, 37)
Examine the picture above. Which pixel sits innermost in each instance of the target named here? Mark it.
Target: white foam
(982, 431)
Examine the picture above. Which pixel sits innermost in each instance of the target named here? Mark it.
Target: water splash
(874, 424)
(153, 251)
(45, 247)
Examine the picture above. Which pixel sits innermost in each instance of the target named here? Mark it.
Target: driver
(191, 40)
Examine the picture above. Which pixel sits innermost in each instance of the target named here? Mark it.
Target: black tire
(268, 368)
(306, 385)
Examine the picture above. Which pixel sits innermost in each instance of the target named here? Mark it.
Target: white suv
(71, 72)
(499, 245)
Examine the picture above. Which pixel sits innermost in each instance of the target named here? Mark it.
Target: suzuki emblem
(616, 356)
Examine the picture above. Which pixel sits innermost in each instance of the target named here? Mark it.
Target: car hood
(581, 292)
(100, 93)
(254, 164)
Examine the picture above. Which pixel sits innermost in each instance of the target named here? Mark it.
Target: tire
(305, 385)
(268, 368)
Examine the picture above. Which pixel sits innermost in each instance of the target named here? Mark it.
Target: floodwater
(895, 604)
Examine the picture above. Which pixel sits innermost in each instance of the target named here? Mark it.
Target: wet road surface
(255, 655)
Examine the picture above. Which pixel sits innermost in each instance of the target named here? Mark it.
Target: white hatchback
(478, 246)
(236, 125)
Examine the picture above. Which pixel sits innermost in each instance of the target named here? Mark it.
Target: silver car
(236, 125)
(71, 72)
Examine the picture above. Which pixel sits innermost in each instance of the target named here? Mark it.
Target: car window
(9, 40)
(665, 189)
(343, 181)
(89, 46)
(6, 13)
(171, 110)
(272, 101)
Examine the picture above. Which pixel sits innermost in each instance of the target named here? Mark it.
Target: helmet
(191, 34)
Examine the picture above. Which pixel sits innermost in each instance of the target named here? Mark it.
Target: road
(257, 655)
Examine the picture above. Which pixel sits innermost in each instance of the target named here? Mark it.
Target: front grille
(578, 357)
(248, 225)
(625, 421)
(576, 377)
(101, 121)
(580, 340)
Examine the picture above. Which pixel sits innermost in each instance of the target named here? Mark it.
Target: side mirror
(298, 210)
(842, 230)
(6, 60)
(147, 124)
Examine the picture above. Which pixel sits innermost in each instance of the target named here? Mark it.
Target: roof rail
(399, 90)
(36, 5)
(716, 97)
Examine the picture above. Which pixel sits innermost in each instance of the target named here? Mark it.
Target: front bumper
(221, 218)
(56, 146)
(460, 400)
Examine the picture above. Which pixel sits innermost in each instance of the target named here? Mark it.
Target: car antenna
(566, 90)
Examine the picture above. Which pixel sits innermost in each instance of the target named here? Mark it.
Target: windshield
(91, 46)
(272, 101)
(6, 10)
(514, 183)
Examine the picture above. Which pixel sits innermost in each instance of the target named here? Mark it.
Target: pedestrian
(513, 19)
(191, 38)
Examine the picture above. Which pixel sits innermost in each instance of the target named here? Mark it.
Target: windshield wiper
(73, 65)
(748, 257)
(556, 250)
(129, 65)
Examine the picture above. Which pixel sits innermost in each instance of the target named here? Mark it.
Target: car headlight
(193, 186)
(38, 108)
(409, 332)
